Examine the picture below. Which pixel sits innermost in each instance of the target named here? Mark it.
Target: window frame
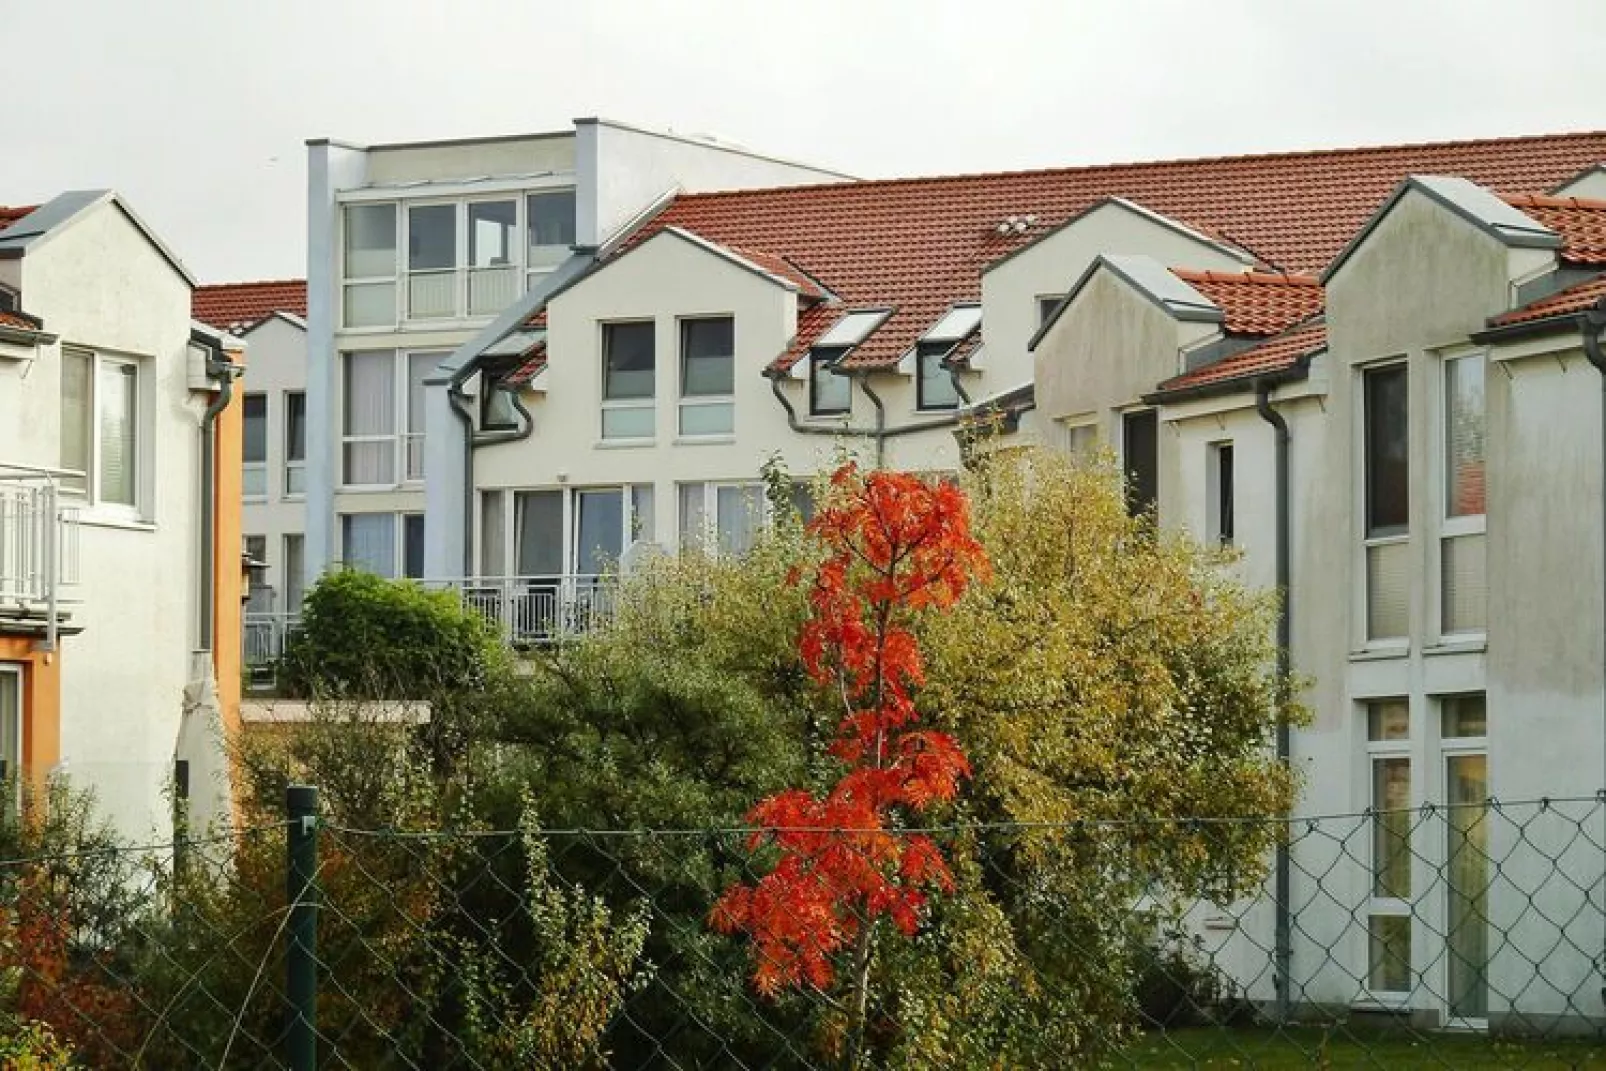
(402, 436)
(1376, 905)
(1450, 749)
(294, 464)
(649, 403)
(91, 493)
(1128, 416)
(927, 351)
(683, 400)
(12, 683)
(1221, 483)
(393, 279)
(826, 358)
(1464, 526)
(248, 467)
(699, 541)
(1368, 540)
(1045, 304)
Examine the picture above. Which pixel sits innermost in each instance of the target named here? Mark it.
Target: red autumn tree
(896, 545)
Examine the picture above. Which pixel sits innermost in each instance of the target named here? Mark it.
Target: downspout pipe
(1283, 926)
(221, 369)
(1592, 325)
(879, 433)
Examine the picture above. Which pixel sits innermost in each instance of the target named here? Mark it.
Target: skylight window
(955, 324)
(852, 329)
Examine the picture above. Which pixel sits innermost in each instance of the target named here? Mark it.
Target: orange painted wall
(227, 536)
(41, 704)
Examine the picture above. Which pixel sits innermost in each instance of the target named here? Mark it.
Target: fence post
(301, 951)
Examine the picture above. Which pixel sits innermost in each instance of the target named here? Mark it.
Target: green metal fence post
(301, 951)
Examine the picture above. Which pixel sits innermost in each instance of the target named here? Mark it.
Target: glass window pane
(538, 521)
(116, 387)
(1140, 459)
(936, 386)
(77, 370)
(642, 524)
(10, 735)
(370, 392)
(368, 542)
(1388, 492)
(293, 580)
(255, 434)
(1391, 827)
(1389, 954)
(370, 241)
(632, 422)
(295, 426)
(431, 237)
(413, 546)
(1046, 306)
(955, 324)
(600, 527)
(493, 545)
(1463, 436)
(370, 304)
(828, 392)
(490, 233)
(1467, 878)
(1388, 599)
(1464, 584)
(552, 229)
(628, 360)
(1463, 716)
(707, 418)
(707, 349)
(851, 329)
(432, 295)
(693, 514)
(738, 514)
(419, 367)
(1388, 720)
(803, 500)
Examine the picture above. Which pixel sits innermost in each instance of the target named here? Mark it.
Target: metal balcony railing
(263, 637)
(539, 609)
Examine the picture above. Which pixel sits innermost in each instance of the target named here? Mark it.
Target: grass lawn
(1252, 1047)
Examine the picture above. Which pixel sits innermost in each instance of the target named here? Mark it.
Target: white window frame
(137, 512)
(11, 677)
(458, 271)
(1365, 542)
(1214, 513)
(295, 465)
(708, 540)
(1453, 527)
(398, 537)
(1373, 905)
(1043, 314)
(649, 403)
(403, 436)
(570, 520)
(258, 467)
(393, 279)
(1452, 747)
(686, 401)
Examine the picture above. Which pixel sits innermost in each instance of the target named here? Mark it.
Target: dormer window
(830, 392)
(934, 384)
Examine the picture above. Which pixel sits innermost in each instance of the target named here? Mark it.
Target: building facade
(120, 572)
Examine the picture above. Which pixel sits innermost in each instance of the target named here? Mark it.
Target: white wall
(471, 158)
(98, 283)
(278, 365)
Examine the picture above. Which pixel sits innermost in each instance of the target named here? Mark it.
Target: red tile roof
(1257, 303)
(10, 214)
(920, 244)
(1574, 299)
(1277, 354)
(20, 320)
(1580, 221)
(238, 306)
(534, 362)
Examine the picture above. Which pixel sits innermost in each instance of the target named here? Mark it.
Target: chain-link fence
(1455, 937)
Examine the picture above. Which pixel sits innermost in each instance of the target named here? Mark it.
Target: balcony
(529, 610)
(38, 548)
(263, 638)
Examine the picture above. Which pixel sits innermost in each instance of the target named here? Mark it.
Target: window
(11, 737)
(1463, 589)
(1046, 304)
(1385, 440)
(412, 554)
(1388, 735)
(493, 256)
(1079, 440)
(295, 442)
(383, 416)
(551, 228)
(707, 376)
(100, 427)
(368, 542)
(722, 517)
(369, 418)
(628, 362)
(538, 533)
(255, 447)
(258, 595)
(1219, 484)
(934, 385)
(1140, 460)
(1464, 727)
(369, 287)
(431, 261)
(496, 403)
(295, 564)
(829, 392)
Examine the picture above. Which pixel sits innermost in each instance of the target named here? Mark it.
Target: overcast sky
(197, 110)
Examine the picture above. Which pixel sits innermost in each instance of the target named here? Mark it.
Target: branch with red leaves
(896, 545)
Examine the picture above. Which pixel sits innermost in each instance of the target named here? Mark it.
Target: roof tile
(1257, 303)
(1277, 354)
(1575, 299)
(237, 307)
(10, 214)
(1580, 221)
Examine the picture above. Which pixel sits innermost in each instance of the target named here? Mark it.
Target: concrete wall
(98, 283)
(278, 366)
(1052, 265)
(448, 160)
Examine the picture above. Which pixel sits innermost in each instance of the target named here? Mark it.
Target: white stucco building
(119, 517)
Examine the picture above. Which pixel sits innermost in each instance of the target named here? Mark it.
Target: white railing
(38, 540)
(263, 638)
(538, 609)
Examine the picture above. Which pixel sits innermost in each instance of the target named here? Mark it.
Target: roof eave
(1299, 370)
(1566, 321)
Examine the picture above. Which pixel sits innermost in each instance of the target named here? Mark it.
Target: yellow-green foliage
(33, 1047)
